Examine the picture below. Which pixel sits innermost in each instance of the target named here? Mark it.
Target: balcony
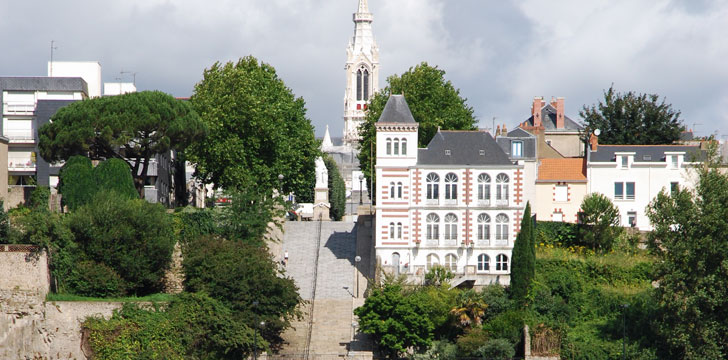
(501, 242)
(482, 242)
(501, 202)
(19, 164)
(451, 201)
(18, 108)
(451, 242)
(484, 202)
(20, 136)
(432, 201)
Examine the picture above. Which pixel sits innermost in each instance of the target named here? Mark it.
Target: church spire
(363, 6)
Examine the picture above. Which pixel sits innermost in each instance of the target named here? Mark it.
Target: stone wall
(30, 327)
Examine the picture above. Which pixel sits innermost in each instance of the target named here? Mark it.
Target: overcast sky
(500, 54)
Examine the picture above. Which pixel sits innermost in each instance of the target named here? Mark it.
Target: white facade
(430, 213)
(89, 71)
(118, 88)
(631, 176)
(362, 72)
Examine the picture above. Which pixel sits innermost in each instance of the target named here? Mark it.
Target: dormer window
(674, 161)
(517, 148)
(482, 152)
(625, 163)
(447, 152)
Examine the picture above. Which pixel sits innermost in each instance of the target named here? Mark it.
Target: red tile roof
(568, 169)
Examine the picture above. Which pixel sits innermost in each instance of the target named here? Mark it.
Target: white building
(632, 175)
(458, 202)
(89, 71)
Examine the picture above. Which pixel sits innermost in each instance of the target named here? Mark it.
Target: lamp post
(357, 260)
(361, 189)
(280, 183)
(624, 330)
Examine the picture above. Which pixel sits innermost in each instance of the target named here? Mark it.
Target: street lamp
(280, 181)
(255, 330)
(624, 330)
(361, 189)
(357, 260)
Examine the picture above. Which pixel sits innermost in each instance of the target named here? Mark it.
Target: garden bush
(497, 349)
(89, 278)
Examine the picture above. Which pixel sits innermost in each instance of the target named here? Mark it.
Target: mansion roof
(396, 111)
(566, 169)
(644, 153)
(462, 148)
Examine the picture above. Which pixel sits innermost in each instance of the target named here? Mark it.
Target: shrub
(469, 343)
(4, 223)
(497, 300)
(439, 350)
(337, 189)
(497, 349)
(557, 233)
(133, 237)
(115, 175)
(438, 275)
(76, 182)
(600, 219)
(89, 278)
(40, 197)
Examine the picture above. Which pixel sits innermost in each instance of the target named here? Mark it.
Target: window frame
(483, 232)
(516, 148)
(483, 262)
(501, 262)
(451, 186)
(433, 186)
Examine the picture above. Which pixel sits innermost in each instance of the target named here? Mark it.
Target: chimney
(593, 142)
(504, 130)
(497, 130)
(559, 113)
(536, 111)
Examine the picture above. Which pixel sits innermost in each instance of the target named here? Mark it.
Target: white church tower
(362, 73)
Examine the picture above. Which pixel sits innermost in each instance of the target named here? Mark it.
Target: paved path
(335, 284)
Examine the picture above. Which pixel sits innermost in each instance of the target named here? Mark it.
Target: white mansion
(458, 202)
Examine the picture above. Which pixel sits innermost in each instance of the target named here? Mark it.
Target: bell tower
(362, 73)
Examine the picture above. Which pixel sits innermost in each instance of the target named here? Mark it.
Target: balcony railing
(483, 202)
(20, 164)
(18, 108)
(485, 242)
(432, 201)
(432, 242)
(20, 136)
(450, 242)
(502, 242)
(451, 201)
(501, 202)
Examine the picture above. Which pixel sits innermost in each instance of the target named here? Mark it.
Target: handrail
(313, 289)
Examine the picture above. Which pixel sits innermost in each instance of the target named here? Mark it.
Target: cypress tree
(523, 261)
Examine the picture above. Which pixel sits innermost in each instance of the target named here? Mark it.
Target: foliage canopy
(600, 219)
(523, 260)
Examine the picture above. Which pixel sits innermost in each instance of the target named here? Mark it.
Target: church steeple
(362, 72)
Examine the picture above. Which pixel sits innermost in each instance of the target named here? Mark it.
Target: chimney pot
(593, 142)
(536, 111)
(559, 113)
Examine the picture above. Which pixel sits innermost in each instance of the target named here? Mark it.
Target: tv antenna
(133, 75)
(50, 72)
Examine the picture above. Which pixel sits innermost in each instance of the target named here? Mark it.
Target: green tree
(132, 237)
(600, 222)
(4, 222)
(469, 310)
(77, 184)
(396, 321)
(133, 127)
(258, 130)
(434, 102)
(40, 197)
(523, 261)
(239, 275)
(115, 175)
(337, 189)
(631, 118)
(249, 216)
(689, 239)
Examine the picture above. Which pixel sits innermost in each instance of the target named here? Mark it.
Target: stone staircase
(328, 333)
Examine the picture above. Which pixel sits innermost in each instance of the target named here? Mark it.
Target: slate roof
(396, 111)
(518, 132)
(42, 83)
(644, 153)
(464, 149)
(528, 140)
(567, 169)
(548, 116)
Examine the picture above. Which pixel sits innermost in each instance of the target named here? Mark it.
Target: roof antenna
(51, 67)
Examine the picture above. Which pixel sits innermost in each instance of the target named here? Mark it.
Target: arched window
(483, 188)
(391, 190)
(451, 227)
(433, 186)
(391, 230)
(399, 190)
(483, 262)
(451, 186)
(396, 146)
(404, 146)
(366, 84)
(389, 146)
(483, 227)
(501, 227)
(451, 262)
(433, 226)
(399, 230)
(501, 262)
(501, 188)
(432, 260)
(359, 83)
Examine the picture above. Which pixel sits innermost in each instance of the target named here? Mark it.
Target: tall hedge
(77, 184)
(523, 260)
(115, 175)
(337, 190)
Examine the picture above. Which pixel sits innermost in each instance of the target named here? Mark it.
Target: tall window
(501, 227)
(483, 187)
(359, 83)
(366, 84)
(389, 146)
(396, 146)
(451, 227)
(673, 160)
(451, 262)
(399, 190)
(501, 188)
(483, 262)
(433, 186)
(399, 230)
(432, 260)
(501, 262)
(404, 146)
(391, 190)
(618, 190)
(391, 230)
(517, 148)
(561, 193)
(451, 186)
(433, 226)
(483, 227)
(630, 190)
(624, 162)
